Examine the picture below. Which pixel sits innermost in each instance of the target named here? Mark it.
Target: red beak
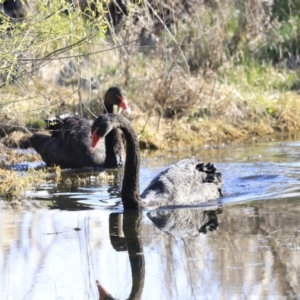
(102, 291)
(124, 104)
(95, 140)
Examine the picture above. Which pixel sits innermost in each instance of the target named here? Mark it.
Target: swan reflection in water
(177, 222)
(132, 243)
(185, 221)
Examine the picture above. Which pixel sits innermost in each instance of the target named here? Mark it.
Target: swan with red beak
(123, 104)
(188, 182)
(70, 142)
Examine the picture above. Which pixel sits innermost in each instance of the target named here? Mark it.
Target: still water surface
(244, 246)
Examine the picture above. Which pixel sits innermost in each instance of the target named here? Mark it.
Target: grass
(14, 185)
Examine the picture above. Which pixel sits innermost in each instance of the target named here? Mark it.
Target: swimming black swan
(185, 183)
(69, 146)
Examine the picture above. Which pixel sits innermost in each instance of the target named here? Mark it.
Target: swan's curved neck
(114, 155)
(114, 149)
(130, 192)
(109, 108)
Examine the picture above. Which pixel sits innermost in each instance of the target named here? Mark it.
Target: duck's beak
(95, 140)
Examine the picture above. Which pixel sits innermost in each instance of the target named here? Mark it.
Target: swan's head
(115, 95)
(100, 128)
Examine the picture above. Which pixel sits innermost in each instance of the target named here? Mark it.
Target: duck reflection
(185, 221)
(125, 235)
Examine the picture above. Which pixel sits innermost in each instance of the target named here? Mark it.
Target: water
(244, 246)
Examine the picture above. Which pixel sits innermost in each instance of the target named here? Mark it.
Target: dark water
(244, 246)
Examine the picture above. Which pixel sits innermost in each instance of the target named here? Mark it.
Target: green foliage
(46, 33)
(280, 42)
(35, 123)
(284, 9)
(261, 77)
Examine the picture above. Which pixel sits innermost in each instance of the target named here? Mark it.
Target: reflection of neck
(131, 228)
(131, 241)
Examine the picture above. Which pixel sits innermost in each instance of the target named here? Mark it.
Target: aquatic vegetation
(87, 179)
(14, 185)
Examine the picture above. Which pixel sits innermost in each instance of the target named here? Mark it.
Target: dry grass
(192, 111)
(14, 185)
(11, 156)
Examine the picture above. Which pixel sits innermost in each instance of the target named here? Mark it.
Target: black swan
(69, 145)
(188, 182)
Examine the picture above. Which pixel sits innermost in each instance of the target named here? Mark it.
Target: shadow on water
(244, 246)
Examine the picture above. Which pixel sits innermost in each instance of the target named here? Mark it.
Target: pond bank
(171, 134)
